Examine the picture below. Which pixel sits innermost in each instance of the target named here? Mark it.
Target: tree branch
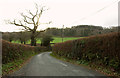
(30, 13)
(25, 16)
(17, 24)
(25, 19)
(46, 23)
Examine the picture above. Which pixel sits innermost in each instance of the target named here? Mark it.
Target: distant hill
(80, 30)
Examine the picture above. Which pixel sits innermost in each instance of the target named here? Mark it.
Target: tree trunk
(33, 40)
(21, 42)
(10, 40)
(24, 42)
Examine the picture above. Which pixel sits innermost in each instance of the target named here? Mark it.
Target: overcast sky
(62, 12)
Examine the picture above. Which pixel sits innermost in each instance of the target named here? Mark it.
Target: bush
(45, 41)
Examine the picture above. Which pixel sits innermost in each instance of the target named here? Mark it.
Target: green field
(56, 40)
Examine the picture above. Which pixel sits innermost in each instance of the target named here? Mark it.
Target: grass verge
(104, 70)
(15, 65)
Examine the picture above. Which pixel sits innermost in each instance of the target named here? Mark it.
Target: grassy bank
(15, 65)
(86, 64)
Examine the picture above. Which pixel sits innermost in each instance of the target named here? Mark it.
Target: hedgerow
(12, 51)
(103, 50)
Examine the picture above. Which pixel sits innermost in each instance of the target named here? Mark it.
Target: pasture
(56, 40)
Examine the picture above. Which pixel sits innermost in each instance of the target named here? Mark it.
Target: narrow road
(45, 65)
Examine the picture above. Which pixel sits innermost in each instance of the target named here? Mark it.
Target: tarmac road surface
(45, 65)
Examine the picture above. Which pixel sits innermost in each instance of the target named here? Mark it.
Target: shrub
(45, 41)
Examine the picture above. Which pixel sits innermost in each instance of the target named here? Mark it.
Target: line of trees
(23, 37)
(80, 31)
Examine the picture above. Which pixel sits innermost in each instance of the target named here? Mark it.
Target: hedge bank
(12, 51)
(103, 50)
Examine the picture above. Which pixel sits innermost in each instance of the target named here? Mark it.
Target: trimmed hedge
(12, 51)
(103, 50)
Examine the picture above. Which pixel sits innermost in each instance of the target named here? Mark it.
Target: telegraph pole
(63, 33)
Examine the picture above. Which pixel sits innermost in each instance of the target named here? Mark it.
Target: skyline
(64, 12)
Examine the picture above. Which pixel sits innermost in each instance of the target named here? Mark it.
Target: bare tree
(31, 19)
